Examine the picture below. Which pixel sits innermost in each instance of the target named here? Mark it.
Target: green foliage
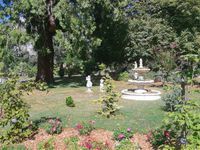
(109, 100)
(166, 61)
(13, 147)
(122, 134)
(124, 76)
(181, 15)
(127, 145)
(181, 128)
(172, 99)
(25, 69)
(85, 128)
(42, 86)
(46, 145)
(53, 126)
(148, 37)
(72, 143)
(14, 118)
(70, 102)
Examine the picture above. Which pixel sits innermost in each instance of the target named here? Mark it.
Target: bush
(172, 99)
(124, 76)
(53, 126)
(181, 128)
(70, 102)
(85, 128)
(121, 134)
(14, 119)
(109, 100)
(47, 145)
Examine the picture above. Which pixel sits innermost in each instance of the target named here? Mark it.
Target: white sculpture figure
(135, 75)
(89, 84)
(141, 63)
(135, 66)
(101, 85)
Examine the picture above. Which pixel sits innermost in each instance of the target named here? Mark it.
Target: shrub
(47, 145)
(109, 100)
(53, 126)
(121, 134)
(14, 118)
(42, 86)
(85, 128)
(70, 102)
(72, 143)
(127, 145)
(124, 76)
(181, 128)
(172, 99)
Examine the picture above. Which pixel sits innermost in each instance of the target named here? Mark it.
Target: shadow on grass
(74, 81)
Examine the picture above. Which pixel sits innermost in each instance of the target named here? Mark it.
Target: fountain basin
(141, 82)
(147, 95)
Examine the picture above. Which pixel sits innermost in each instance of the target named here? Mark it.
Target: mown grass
(141, 116)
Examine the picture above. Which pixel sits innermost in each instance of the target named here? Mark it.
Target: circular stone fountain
(140, 93)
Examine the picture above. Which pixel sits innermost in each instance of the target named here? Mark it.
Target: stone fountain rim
(156, 93)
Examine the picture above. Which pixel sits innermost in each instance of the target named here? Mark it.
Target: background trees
(82, 34)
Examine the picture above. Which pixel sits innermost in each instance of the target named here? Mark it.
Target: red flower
(167, 134)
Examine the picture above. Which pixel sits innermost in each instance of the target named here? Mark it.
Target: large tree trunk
(45, 64)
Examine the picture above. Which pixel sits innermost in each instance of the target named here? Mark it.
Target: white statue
(101, 85)
(141, 63)
(135, 75)
(135, 66)
(89, 84)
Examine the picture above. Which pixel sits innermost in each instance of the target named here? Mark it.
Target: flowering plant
(120, 134)
(92, 145)
(53, 126)
(85, 128)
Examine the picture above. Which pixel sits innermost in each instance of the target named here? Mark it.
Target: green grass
(141, 116)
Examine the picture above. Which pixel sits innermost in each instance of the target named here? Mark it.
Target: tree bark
(45, 64)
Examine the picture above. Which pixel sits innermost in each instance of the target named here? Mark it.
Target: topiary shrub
(124, 76)
(70, 102)
(109, 100)
(172, 99)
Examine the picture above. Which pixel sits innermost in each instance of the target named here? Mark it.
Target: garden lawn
(141, 116)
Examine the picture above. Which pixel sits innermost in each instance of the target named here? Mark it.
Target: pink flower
(88, 146)
(167, 134)
(129, 130)
(79, 126)
(98, 148)
(121, 136)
